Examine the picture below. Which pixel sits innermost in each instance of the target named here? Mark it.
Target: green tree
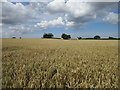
(49, 35)
(97, 37)
(13, 37)
(79, 37)
(65, 36)
(111, 38)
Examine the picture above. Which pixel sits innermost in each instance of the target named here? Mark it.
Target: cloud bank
(79, 12)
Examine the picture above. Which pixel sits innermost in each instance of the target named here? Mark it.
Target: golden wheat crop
(45, 63)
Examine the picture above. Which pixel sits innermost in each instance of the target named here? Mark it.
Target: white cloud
(77, 9)
(47, 24)
(111, 18)
(19, 13)
(58, 0)
(79, 12)
(56, 6)
(21, 29)
(14, 13)
(1, 24)
(70, 24)
(76, 13)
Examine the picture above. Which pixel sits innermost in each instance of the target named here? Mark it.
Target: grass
(52, 63)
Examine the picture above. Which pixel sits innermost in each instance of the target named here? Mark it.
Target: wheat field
(52, 63)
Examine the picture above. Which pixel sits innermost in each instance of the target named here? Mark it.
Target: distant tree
(20, 37)
(65, 36)
(49, 35)
(13, 37)
(79, 37)
(97, 37)
(111, 38)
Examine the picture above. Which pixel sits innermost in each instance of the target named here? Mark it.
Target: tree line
(66, 36)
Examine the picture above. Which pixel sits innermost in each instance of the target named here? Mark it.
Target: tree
(49, 35)
(79, 38)
(65, 36)
(97, 37)
(13, 37)
(111, 38)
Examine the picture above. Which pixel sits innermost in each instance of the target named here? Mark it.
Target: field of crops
(50, 63)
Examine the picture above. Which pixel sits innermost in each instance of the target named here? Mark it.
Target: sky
(84, 18)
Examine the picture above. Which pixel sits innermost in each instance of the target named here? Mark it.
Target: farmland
(52, 63)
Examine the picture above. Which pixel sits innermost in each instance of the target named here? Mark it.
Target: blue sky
(32, 20)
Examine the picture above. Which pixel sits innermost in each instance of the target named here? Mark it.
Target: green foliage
(97, 37)
(49, 35)
(79, 37)
(65, 36)
(112, 38)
